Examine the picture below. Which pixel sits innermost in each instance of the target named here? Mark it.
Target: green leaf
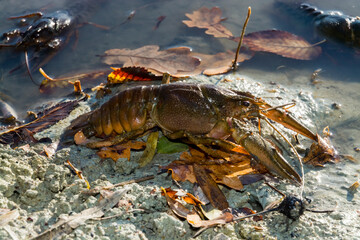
(166, 146)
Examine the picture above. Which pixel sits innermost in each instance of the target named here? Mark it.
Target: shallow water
(339, 77)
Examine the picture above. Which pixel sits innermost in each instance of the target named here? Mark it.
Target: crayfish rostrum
(200, 114)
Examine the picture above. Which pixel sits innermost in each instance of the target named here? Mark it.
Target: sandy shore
(43, 190)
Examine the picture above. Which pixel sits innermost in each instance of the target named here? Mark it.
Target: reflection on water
(93, 41)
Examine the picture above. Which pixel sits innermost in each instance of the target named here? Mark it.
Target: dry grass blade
(282, 43)
(210, 19)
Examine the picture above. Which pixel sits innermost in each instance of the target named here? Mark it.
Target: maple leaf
(282, 43)
(210, 19)
(120, 75)
(175, 61)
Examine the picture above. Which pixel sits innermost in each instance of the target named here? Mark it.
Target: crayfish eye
(246, 103)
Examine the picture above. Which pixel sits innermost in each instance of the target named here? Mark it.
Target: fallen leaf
(120, 151)
(210, 19)
(150, 149)
(221, 62)
(50, 149)
(165, 146)
(321, 152)
(282, 43)
(177, 208)
(24, 133)
(120, 75)
(210, 188)
(175, 61)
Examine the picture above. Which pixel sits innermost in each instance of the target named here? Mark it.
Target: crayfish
(334, 25)
(45, 34)
(196, 113)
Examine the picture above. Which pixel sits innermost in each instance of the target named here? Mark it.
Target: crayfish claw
(263, 151)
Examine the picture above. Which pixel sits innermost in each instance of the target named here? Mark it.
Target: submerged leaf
(282, 43)
(166, 146)
(221, 62)
(175, 61)
(210, 19)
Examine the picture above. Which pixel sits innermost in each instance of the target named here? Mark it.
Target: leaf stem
(234, 65)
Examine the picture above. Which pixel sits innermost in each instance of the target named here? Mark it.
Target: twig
(137, 180)
(117, 215)
(234, 65)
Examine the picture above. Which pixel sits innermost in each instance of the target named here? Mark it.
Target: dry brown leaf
(175, 61)
(210, 19)
(121, 150)
(282, 43)
(221, 62)
(195, 220)
(225, 172)
(210, 188)
(179, 209)
(321, 152)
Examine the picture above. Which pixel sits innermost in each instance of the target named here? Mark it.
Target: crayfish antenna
(28, 69)
(285, 119)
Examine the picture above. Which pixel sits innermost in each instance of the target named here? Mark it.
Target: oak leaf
(282, 43)
(175, 61)
(210, 19)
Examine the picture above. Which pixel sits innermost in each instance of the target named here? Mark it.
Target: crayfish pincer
(196, 113)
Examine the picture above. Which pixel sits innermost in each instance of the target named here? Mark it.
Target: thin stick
(234, 65)
(297, 155)
(137, 180)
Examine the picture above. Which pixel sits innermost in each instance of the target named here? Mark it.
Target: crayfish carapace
(45, 34)
(201, 114)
